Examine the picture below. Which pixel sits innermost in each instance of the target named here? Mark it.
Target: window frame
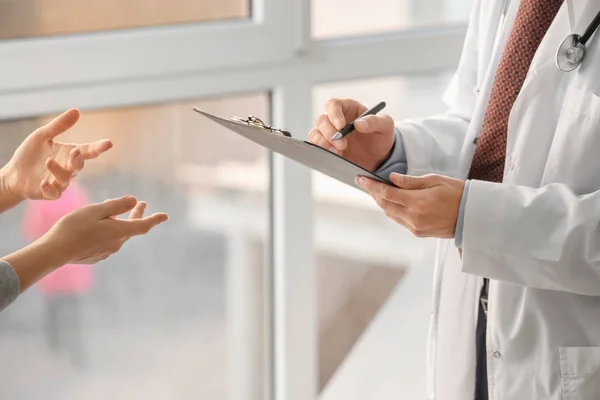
(148, 52)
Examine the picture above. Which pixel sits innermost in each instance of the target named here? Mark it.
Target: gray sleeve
(10, 286)
(396, 161)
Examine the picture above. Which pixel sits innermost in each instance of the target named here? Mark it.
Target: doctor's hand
(428, 206)
(42, 168)
(368, 146)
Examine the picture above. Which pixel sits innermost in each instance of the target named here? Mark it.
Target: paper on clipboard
(303, 152)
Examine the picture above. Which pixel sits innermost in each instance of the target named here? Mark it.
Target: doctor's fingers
(391, 208)
(382, 124)
(315, 136)
(340, 111)
(416, 223)
(325, 127)
(388, 192)
(397, 213)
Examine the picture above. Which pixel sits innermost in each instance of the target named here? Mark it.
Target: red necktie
(533, 20)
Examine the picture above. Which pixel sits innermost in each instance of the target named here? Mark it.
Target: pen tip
(337, 136)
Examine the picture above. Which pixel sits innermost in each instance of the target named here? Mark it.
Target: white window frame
(207, 60)
(149, 52)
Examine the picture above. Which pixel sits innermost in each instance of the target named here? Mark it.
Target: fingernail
(339, 123)
(361, 124)
(76, 152)
(130, 201)
(335, 151)
(360, 181)
(339, 144)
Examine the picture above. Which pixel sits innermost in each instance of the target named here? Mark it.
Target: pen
(350, 127)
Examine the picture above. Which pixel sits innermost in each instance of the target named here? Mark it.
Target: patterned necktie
(533, 20)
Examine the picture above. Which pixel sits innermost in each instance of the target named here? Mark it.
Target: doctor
(509, 179)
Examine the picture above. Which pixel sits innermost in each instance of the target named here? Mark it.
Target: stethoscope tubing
(578, 41)
(590, 29)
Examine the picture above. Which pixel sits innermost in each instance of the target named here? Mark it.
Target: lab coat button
(497, 354)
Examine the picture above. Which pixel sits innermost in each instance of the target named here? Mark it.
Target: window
(30, 18)
(162, 318)
(362, 255)
(336, 18)
(253, 287)
(188, 47)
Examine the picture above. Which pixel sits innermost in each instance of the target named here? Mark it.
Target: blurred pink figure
(64, 287)
(40, 216)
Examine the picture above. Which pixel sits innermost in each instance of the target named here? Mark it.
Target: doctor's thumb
(410, 182)
(374, 123)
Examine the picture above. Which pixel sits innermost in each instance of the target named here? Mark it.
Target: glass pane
(178, 314)
(335, 18)
(356, 275)
(31, 18)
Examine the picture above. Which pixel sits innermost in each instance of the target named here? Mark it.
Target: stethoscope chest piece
(570, 53)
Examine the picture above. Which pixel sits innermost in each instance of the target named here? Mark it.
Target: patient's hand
(84, 236)
(42, 168)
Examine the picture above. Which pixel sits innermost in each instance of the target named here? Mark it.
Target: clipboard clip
(257, 122)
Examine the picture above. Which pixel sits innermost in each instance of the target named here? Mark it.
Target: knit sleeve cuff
(10, 286)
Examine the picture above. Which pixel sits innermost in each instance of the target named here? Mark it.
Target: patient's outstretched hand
(41, 167)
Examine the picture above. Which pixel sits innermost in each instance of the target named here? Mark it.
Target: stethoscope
(571, 52)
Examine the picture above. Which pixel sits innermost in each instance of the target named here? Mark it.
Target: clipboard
(303, 152)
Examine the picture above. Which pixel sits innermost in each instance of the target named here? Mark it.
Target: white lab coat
(536, 236)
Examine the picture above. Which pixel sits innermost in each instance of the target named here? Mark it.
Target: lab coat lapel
(581, 13)
(542, 74)
(574, 8)
(545, 84)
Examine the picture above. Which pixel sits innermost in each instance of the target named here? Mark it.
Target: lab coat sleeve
(546, 238)
(433, 144)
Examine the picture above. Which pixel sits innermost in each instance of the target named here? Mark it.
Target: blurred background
(269, 281)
